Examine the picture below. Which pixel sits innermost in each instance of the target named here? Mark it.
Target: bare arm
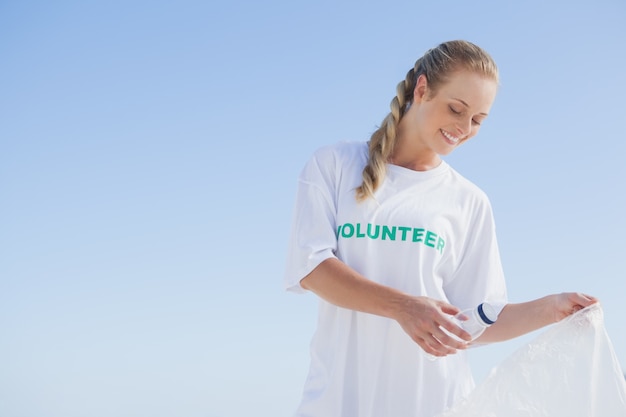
(420, 317)
(518, 319)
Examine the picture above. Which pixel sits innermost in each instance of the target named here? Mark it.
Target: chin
(447, 150)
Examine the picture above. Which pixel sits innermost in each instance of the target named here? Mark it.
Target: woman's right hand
(423, 318)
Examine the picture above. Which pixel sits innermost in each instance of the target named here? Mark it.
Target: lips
(453, 140)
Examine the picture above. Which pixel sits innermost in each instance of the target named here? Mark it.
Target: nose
(465, 127)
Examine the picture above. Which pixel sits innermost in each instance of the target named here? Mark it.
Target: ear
(421, 88)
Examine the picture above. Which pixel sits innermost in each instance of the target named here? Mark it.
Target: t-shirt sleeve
(312, 237)
(479, 276)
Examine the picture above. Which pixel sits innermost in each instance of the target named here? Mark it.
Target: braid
(382, 141)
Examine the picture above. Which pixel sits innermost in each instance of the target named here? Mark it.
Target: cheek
(474, 131)
(471, 135)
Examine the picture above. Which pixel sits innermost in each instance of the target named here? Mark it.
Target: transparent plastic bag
(569, 370)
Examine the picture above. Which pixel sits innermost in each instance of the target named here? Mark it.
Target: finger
(583, 300)
(448, 308)
(589, 299)
(436, 348)
(451, 335)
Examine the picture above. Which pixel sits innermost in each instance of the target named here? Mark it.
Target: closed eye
(453, 110)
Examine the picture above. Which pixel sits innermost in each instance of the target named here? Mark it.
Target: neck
(409, 155)
(417, 165)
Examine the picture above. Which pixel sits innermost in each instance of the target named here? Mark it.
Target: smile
(453, 139)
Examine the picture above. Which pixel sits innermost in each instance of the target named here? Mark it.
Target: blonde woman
(394, 242)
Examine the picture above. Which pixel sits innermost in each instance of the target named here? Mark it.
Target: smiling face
(437, 122)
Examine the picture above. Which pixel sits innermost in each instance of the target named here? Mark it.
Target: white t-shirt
(427, 233)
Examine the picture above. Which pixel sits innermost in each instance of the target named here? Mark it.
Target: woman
(394, 242)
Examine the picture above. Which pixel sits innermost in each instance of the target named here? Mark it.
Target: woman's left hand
(568, 303)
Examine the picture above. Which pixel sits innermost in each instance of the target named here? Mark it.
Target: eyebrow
(467, 105)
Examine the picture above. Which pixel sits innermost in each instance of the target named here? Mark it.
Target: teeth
(449, 136)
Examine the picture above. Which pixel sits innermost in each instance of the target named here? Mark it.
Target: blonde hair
(436, 64)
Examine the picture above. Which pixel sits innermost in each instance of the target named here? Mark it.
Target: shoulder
(341, 152)
(469, 191)
(332, 159)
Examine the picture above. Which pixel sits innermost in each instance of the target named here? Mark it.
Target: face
(451, 116)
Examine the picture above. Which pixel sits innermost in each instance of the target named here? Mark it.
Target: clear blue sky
(149, 152)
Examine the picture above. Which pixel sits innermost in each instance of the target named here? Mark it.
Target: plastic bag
(569, 370)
